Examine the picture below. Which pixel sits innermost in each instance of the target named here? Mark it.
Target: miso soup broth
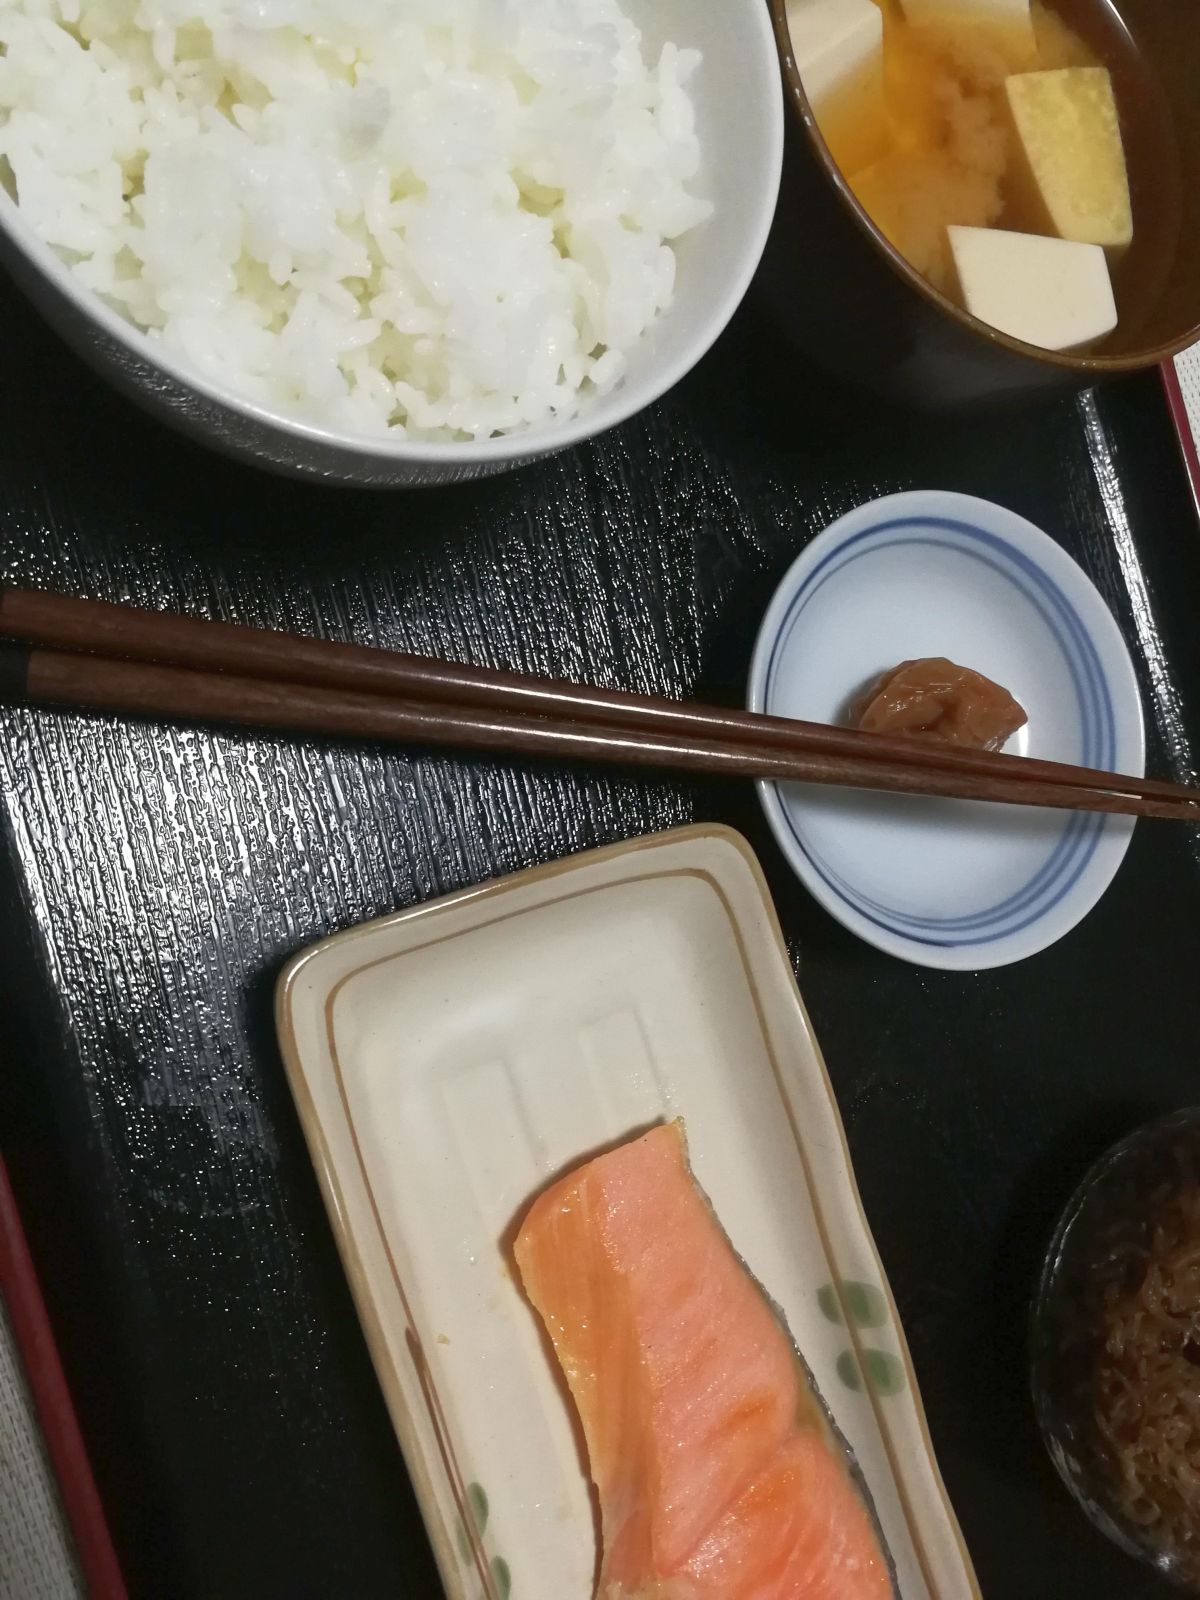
(925, 135)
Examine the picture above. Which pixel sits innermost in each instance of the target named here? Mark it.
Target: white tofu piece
(834, 42)
(1069, 176)
(1009, 19)
(1055, 293)
(1007, 11)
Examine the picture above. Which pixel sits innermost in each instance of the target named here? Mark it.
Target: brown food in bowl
(1146, 1380)
(946, 156)
(938, 698)
(1117, 1346)
(852, 301)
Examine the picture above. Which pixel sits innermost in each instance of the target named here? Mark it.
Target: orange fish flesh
(718, 1473)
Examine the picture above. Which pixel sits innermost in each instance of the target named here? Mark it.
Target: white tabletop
(1187, 366)
(36, 1557)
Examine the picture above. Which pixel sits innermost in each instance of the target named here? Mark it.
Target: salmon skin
(719, 1473)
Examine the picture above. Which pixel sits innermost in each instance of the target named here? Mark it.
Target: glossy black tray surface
(155, 879)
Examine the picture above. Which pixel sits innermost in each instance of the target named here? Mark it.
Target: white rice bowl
(426, 220)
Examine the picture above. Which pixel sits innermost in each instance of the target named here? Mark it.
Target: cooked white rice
(438, 218)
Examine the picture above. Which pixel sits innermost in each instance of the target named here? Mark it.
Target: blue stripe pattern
(1065, 864)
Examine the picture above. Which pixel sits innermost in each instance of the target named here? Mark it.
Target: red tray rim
(53, 1405)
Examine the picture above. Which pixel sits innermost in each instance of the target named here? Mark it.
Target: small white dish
(449, 1061)
(946, 883)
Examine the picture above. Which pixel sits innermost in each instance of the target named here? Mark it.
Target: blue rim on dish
(933, 521)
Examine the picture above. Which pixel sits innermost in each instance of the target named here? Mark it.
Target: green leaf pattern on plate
(866, 1307)
(885, 1373)
(847, 1370)
(829, 1303)
(477, 1500)
(478, 1510)
(865, 1303)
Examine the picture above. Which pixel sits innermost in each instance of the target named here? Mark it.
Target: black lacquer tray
(154, 880)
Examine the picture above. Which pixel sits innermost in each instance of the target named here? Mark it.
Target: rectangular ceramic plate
(448, 1061)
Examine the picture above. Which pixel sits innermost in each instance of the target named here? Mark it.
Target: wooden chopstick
(63, 622)
(58, 678)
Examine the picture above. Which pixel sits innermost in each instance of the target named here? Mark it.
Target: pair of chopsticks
(91, 656)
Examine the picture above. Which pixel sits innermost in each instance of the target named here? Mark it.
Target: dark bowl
(1105, 1224)
(851, 301)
